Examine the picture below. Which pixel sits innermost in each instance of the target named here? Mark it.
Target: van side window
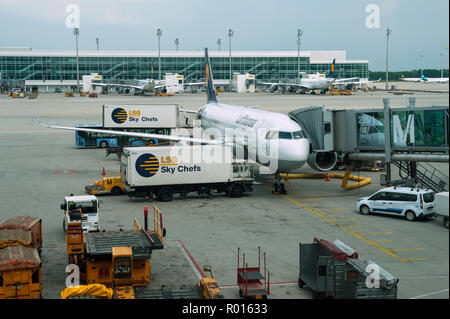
(409, 197)
(378, 196)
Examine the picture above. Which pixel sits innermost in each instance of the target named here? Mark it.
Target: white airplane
(147, 87)
(309, 83)
(293, 146)
(302, 85)
(424, 79)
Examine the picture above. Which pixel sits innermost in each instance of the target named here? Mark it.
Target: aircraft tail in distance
(210, 92)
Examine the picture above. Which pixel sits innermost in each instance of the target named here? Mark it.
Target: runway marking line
(398, 249)
(412, 259)
(377, 233)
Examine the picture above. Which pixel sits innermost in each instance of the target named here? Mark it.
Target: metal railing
(427, 176)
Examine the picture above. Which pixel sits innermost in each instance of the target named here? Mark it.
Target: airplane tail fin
(331, 72)
(210, 92)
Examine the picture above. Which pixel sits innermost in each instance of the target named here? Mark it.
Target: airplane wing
(136, 134)
(194, 84)
(119, 85)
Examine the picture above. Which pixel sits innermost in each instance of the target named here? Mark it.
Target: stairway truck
(167, 170)
(441, 206)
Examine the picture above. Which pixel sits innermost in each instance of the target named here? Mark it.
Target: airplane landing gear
(278, 186)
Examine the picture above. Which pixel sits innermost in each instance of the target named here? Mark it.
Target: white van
(412, 203)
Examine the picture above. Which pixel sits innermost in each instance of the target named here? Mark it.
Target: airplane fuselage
(252, 129)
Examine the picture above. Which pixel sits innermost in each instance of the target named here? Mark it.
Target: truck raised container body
(143, 116)
(183, 169)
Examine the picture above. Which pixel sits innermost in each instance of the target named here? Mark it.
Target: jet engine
(273, 88)
(322, 161)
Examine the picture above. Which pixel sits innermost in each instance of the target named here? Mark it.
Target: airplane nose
(294, 155)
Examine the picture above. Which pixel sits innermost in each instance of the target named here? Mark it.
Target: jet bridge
(402, 136)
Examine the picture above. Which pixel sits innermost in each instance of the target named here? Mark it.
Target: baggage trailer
(28, 224)
(333, 270)
(20, 273)
(250, 280)
(166, 170)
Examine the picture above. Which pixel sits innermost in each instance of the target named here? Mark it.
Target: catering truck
(146, 116)
(161, 119)
(163, 171)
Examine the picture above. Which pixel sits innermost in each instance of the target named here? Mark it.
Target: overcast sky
(419, 27)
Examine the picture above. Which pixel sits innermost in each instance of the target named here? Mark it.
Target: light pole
(299, 36)
(96, 40)
(159, 35)
(388, 33)
(219, 43)
(230, 35)
(421, 64)
(76, 32)
(177, 42)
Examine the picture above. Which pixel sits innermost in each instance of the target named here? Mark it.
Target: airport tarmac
(40, 166)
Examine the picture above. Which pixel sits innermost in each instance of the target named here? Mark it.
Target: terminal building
(48, 69)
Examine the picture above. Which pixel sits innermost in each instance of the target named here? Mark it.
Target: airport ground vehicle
(166, 170)
(69, 94)
(160, 119)
(83, 209)
(333, 270)
(208, 286)
(85, 139)
(116, 259)
(441, 208)
(93, 94)
(23, 230)
(20, 273)
(107, 185)
(411, 203)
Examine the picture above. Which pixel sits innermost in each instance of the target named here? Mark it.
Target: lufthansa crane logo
(119, 115)
(147, 165)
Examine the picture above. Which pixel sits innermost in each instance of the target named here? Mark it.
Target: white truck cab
(84, 209)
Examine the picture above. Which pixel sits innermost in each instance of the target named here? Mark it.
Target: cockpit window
(297, 135)
(285, 135)
(271, 135)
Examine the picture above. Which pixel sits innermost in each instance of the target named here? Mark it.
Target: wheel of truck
(103, 144)
(237, 191)
(165, 194)
(116, 190)
(446, 223)
(301, 283)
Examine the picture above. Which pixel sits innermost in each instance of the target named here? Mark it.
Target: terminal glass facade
(23, 67)
(418, 128)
